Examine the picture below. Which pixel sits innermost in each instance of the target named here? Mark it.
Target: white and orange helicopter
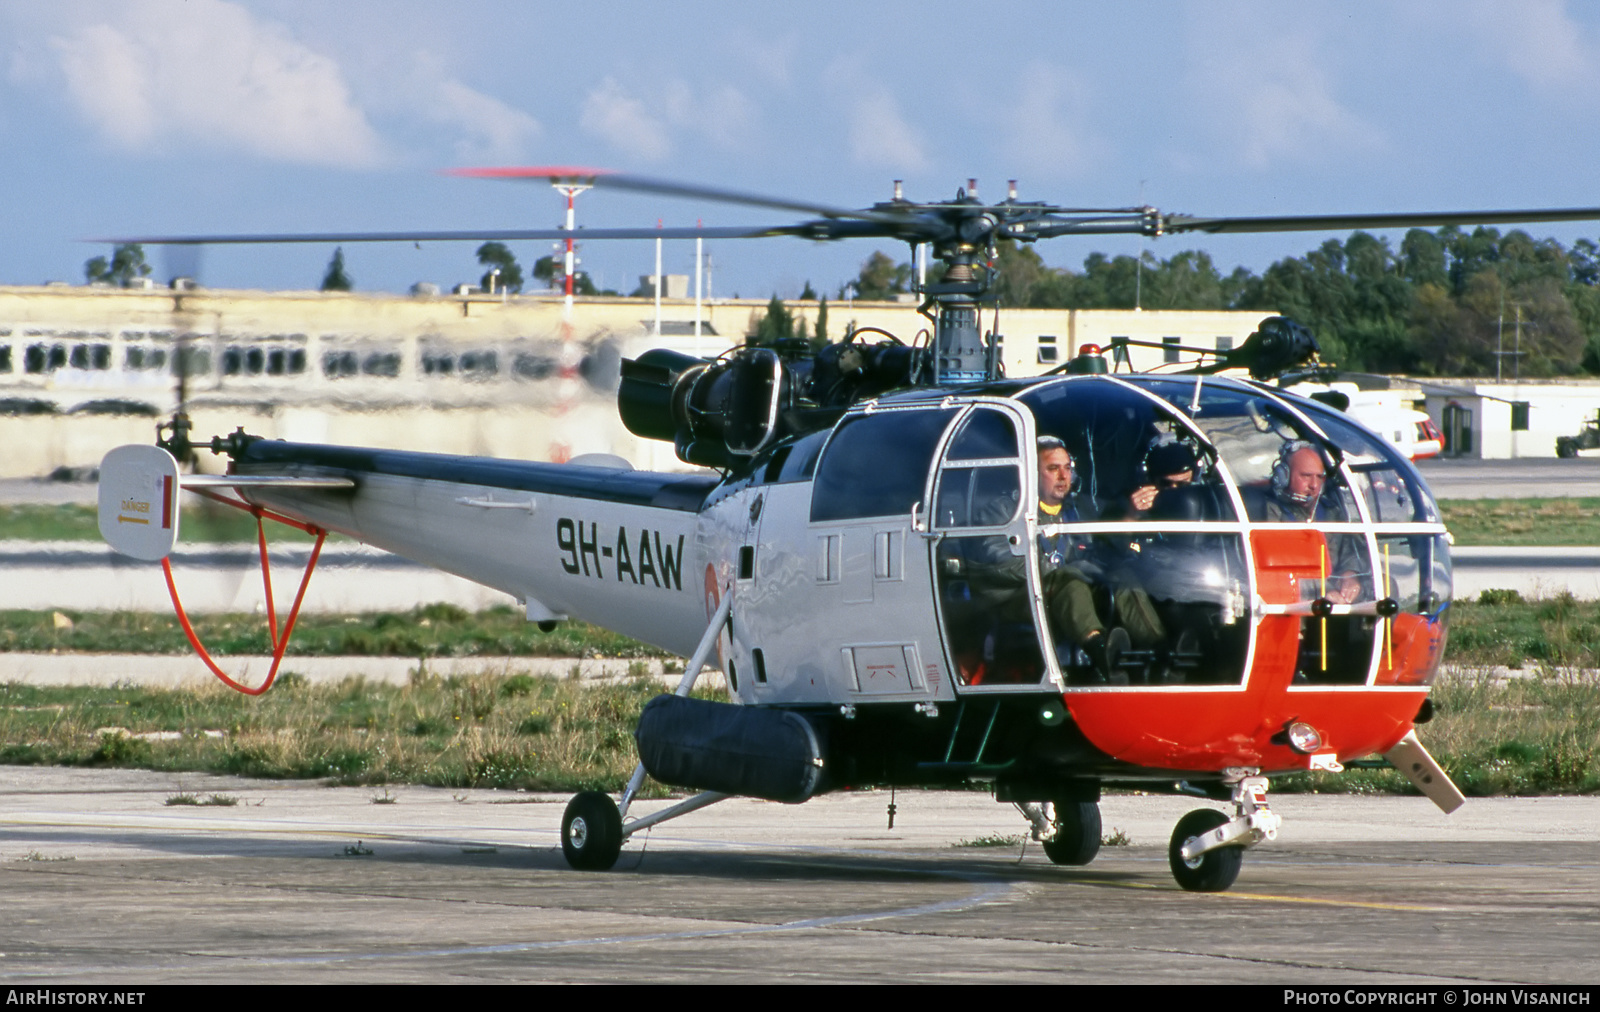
(915, 571)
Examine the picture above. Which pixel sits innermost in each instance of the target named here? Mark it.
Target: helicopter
(873, 558)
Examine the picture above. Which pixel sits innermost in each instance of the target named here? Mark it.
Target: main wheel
(1077, 836)
(1566, 449)
(1211, 872)
(591, 832)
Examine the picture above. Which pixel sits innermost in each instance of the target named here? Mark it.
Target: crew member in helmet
(1299, 478)
(1169, 464)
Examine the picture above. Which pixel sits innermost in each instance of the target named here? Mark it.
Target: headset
(1280, 470)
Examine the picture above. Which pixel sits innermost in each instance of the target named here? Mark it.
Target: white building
(85, 369)
(1494, 421)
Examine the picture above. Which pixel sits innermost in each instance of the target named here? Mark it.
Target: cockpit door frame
(1021, 530)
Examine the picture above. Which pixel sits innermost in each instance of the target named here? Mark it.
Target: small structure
(1497, 421)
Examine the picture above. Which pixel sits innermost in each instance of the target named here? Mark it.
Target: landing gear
(1069, 831)
(1077, 836)
(591, 832)
(1207, 847)
(1212, 871)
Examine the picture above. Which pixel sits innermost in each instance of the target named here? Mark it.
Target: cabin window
(986, 435)
(877, 464)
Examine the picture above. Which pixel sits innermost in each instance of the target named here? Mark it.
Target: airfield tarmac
(104, 882)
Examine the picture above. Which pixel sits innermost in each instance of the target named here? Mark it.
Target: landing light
(1303, 738)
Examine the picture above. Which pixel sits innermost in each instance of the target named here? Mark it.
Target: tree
(820, 337)
(127, 263)
(550, 271)
(504, 271)
(881, 279)
(336, 280)
(776, 324)
(809, 294)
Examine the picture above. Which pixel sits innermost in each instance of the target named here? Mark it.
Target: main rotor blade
(667, 187)
(1341, 222)
(480, 235)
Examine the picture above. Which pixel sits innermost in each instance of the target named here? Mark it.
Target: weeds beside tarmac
(1535, 732)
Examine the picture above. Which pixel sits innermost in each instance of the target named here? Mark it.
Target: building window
(1047, 349)
(1169, 350)
(1519, 416)
(339, 364)
(479, 364)
(5, 358)
(381, 363)
(535, 366)
(1225, 343)
(192, 361)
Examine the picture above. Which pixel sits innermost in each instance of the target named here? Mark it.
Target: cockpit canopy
(1194, 508)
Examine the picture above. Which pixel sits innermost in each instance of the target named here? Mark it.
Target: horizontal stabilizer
(1414, 762)
(139, 487)
(263, 481)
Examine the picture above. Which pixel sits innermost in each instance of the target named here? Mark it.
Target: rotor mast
(962, 354)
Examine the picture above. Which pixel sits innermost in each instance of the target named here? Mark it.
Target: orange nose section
(1214, 728)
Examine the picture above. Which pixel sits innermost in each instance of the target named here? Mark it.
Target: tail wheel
(1077, 836)
(1211, 872)
(591, 832)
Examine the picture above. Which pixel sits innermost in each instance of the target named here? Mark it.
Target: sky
(180, 116)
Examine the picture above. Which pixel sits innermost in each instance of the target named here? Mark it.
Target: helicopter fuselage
(889, 580)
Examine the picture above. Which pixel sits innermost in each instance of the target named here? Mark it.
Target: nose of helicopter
(1299, 576)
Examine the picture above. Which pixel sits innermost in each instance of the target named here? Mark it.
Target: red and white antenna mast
(570, 187)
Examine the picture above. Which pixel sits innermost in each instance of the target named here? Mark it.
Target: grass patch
(1473, 521)
(208, 801)
(1523, 522)
(993, 840)
(462, 732)
(200, 521)
(1116, 838)
(434, 630)
(1503, 628)
(1535, 735)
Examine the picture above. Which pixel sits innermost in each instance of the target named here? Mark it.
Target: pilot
(1069, 571)
(1299, 479)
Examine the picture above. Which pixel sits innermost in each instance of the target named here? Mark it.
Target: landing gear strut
(1207, 847)
(592, 830)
